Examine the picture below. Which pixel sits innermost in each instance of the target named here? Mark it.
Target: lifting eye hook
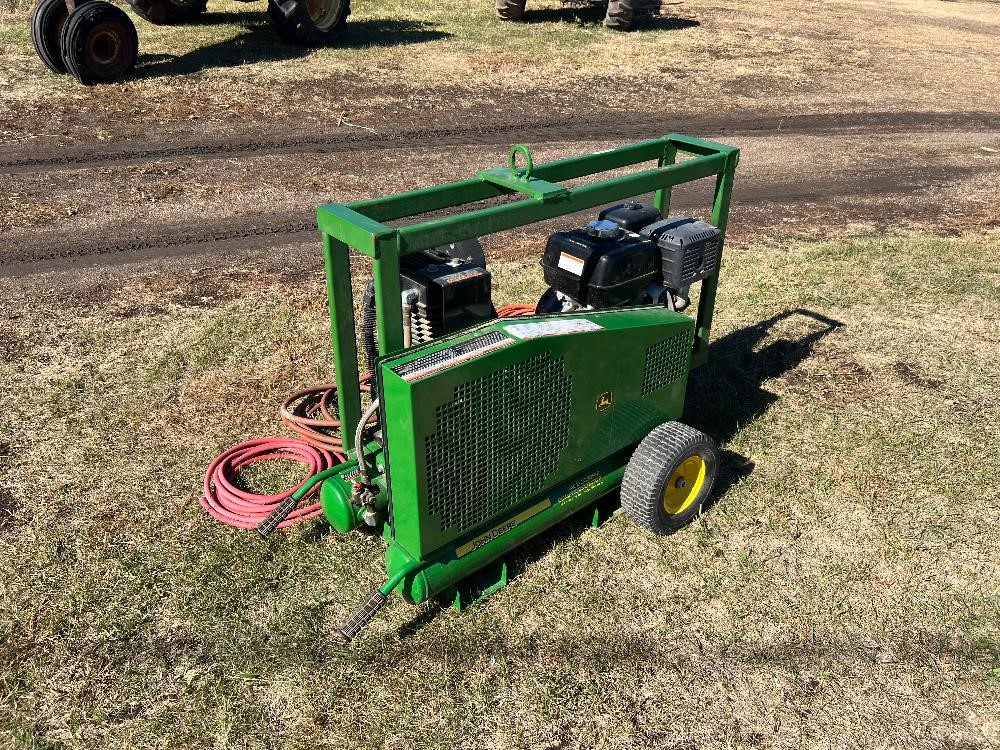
(529, 165)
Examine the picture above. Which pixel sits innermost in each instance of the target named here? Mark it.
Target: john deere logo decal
(604, 401)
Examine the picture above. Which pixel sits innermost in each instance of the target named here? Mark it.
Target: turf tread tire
(73, 40)
(651, 466)
(47, 21)
(299, 28)
(166, 13)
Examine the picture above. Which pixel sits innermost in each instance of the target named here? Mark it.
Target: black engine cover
(451, 293)
(600, 271)
(631, 215)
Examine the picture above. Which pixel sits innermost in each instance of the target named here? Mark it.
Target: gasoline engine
(630, 255)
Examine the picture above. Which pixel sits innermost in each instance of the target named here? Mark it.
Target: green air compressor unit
(477, 439)
(512, 421)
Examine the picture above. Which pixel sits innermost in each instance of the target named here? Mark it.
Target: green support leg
(706, 301)
(342, 334)
(388, 300)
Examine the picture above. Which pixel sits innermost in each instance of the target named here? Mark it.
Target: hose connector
(363, 616)
(281, 511)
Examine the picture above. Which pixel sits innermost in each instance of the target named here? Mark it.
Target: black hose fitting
(281, 511)
(363, 616)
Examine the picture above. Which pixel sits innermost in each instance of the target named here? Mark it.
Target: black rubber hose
(369, 341)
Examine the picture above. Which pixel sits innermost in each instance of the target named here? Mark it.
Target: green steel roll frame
(361, 225)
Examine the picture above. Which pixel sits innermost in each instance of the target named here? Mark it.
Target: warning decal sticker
(557, 327)
(571, 263)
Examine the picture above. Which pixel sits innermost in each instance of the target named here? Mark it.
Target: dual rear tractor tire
(669, 477)
(95, 43)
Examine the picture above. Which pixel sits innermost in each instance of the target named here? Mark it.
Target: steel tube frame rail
(360, 225)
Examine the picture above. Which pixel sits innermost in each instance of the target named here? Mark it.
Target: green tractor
(97, 42)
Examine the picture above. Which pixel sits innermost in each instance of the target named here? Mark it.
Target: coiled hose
(515, 311)
(227, 502)
(310, 413)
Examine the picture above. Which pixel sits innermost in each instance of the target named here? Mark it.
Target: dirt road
(840, 126)
(801, 175)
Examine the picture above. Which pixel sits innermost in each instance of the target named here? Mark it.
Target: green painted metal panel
(451, 564)
(489, 431)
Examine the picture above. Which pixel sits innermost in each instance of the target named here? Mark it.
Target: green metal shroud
(509, 435)
(500, 427)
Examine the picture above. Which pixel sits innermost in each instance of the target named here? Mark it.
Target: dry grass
(697, 55)
(842, 594)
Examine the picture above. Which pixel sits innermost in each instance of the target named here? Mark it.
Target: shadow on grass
(727, 393)
(722, 397)
(647, 16)
(259, 43)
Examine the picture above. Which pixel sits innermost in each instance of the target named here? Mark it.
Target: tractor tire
(510, 10)
(669, 477)
(619, 16)
(167, 12)
(47, 21)
(99, 43)
(313, 23)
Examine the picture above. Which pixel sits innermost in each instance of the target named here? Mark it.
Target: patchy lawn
(842, 590)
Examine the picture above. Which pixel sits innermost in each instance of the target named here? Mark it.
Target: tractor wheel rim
(323, 13)
(684, 486)
(107, 49)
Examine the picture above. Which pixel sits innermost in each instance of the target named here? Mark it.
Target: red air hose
(310, 414)
(515, 311)
(228, 503)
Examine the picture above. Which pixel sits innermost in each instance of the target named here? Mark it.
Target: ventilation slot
(666, 361)
(497, 441)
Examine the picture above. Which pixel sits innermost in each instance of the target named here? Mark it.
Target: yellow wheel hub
(684, 486)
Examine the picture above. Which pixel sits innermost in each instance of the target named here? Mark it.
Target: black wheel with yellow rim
(669, 477)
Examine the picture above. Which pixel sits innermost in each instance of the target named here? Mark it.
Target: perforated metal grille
(698, 259)
(497, 441)
(458, 351)
(666, 361)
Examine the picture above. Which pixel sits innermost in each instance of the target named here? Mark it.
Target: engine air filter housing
(689, 249)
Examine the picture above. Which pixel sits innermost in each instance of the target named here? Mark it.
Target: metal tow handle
(282, 511)
(363, 616)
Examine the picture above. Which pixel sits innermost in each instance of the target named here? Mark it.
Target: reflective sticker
(556, 327)
(571, 263)
(503, 528)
